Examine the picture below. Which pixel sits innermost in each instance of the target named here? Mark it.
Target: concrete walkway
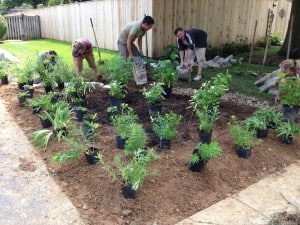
(28, 195)
(256, 204)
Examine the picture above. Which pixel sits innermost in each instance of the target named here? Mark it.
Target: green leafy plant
(117, 90)
(207, 118)
(120, 70)
(123, 120)
(134, 172)
(76, 89)
(242, 135)
(206, 152)
(288, 129)
(256, 123)
(154, 95)
(136, 138)
(26, 72)
(271, 115)
(221, 83)
(166, 126)
(165, 73)
(290, 92)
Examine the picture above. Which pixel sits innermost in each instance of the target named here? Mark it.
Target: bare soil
(175, 192)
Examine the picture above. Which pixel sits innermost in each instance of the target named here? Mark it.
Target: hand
(130, 58)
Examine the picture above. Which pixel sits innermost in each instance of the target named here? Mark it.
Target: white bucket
(184, 73)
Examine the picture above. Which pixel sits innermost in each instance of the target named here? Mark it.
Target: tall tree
(9, 4)
(295, 37)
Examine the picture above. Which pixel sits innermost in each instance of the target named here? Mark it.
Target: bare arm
(130, 39)
(140, 45)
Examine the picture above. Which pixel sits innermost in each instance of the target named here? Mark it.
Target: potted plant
(76, 90)
(243, 138)
(165, 127)
(258, 124)
(122, 122)
(203, 154)
(165, 73)
(271, 115)
(287, 130)
(207, 118)
(90, 127)
(289, 97)
(22, 97)
(154, 97)
(136, 138)
(80, 111)
(120, 70)
(25, 74)
(116, 92)
(134, 172)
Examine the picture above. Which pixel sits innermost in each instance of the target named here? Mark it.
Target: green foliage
(3, 68)
(171, 52)
(25, 72)
(117, 90)
(165, 73)
(242, 135)
(137, 138)
(135, 171)
(41, 138)
(207, 118)
(120, 70)
(256, 123)
(123, 120)
(221, 83)
(3, 26)
(76, 88)
(154, 95)
(206, 152)
(288, 129)
(166, 126)
(290, 92)
(271, 115)
(92, 129)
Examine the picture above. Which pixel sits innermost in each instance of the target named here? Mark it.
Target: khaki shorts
(199, 53)
(78, 61)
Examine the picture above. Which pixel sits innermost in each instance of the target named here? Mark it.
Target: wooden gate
(22, 27)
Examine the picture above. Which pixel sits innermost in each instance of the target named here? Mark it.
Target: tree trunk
(295, 40)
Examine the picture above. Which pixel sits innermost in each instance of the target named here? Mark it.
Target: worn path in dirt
(28, 195)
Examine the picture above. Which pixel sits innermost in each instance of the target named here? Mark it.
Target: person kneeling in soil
(82, 49)
(48, 58)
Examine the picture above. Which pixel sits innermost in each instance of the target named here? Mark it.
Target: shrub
(3, 26)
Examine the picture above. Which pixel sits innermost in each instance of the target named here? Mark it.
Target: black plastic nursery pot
(196, 167)
(286, 139)
(115, 102)
(60, 85)
(154, 110)
(48, 89)
(4, 79)
(120, 142)
(79, 114)
(244, 152)
(167, 91)
(22, 100)
(164, 144)
(46, 123)
(128, 192)
(262, 133)
(204, 137)
(91, 155)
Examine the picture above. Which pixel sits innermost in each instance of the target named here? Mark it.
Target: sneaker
(198, 77)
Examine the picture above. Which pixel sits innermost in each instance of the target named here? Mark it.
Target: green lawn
(241, 82)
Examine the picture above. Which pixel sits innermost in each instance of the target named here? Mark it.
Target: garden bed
(174, 193)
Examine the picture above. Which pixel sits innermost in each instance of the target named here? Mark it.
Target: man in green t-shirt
(134, 30)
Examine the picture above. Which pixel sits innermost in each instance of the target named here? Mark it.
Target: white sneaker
(198, 77)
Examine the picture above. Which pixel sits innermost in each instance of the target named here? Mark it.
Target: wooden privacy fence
(223, 20)
(22, 27)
